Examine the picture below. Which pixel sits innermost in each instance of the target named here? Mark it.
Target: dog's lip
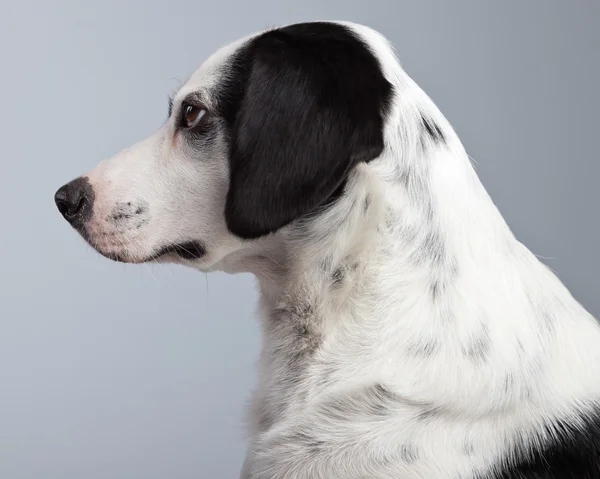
(187, 250)
(119, 258)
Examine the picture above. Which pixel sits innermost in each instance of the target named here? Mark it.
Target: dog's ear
(312, 108)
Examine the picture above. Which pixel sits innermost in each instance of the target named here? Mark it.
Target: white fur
(503, 348)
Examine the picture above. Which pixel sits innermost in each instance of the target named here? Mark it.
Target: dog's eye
(191, 115)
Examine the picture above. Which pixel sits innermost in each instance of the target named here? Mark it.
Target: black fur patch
(304, 105)
(571, 451)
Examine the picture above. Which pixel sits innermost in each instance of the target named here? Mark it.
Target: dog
(407, 334)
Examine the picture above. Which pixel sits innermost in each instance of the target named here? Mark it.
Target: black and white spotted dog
(407, 333)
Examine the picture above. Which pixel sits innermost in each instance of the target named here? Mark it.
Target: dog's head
(264, 133)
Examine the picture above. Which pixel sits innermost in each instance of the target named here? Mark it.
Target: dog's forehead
(208, 74)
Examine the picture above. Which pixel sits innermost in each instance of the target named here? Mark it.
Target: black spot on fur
(308, 341)
(415, 181)
(409, 453)
(326, 264)
(338, 276)
(383, 393)
(295, 309)
(453, 269)
(294, 134)
(409, 234)
(432, 130)
(123, 212)
(306, 441)
(374, 402)
(434, 249)
(429, 413)
(423, 348)
(520, 348)
(404, 177)
(303, 330)
(382, 400)
(468, 448)
(548, 318)
(563, 450)
(509, 383)
(307, 336)
(437, 288)
(478, 349)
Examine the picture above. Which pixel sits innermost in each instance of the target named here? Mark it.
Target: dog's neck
(415, 267)
(419, 210)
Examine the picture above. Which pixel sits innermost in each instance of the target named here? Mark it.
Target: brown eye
(191, 115)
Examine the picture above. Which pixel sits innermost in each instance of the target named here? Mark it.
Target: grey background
(121, 372)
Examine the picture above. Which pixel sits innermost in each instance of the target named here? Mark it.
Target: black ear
(313, 106)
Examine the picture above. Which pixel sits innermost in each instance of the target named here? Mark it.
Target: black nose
(75, 200)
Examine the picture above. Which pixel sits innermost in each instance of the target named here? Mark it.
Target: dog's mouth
(188, 250)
